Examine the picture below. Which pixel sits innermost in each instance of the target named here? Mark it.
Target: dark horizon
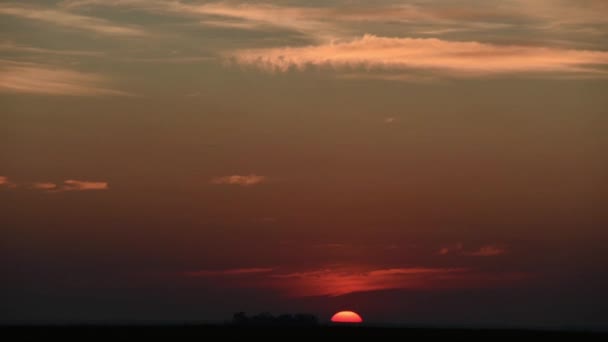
(228, 323)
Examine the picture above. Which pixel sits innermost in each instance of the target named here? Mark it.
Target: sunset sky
(420, 162)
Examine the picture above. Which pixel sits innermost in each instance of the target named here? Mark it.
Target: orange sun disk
(346, 317)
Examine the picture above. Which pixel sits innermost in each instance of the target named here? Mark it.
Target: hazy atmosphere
(421, 162)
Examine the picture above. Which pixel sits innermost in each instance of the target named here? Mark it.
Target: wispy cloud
(239, 25)
(228, 272)
(247, 180)
(69, 20)
(10, 46)
(168, 60)
(44, 186)
(321, 23)
(483, 251)
(343, 19)
(18, 77)
(79, 185)
(455, 248)
(67, 185)
(5, 182)
(556, 13)
(337, 282)
(305, 20)
(390, 75)
(455, 59)
(341, 280)
(318, 23)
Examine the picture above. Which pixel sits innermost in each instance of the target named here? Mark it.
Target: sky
(426, 162)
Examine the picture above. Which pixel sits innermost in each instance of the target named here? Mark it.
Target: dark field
(219, 332)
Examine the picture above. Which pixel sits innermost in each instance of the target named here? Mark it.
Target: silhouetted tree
(240, 318)
(306, 319)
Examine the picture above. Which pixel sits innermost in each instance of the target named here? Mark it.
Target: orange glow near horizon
(346, 317)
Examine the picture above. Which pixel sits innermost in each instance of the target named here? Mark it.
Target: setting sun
(346, 317)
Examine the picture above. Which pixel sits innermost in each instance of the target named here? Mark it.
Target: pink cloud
(450, 58)
(337, 282)
(248, 180)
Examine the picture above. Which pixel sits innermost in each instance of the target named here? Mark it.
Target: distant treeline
(266, 319)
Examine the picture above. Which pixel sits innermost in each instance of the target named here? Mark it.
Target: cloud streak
(32, 78)
(483, 251)
(79, 185)
(455, 59)
(69, 20)
(229, 272)
(344, 19)
(10, 46)
(242, 16)
(68, 185)
(456, 248)
(247, 180)
(44, 186)
(487, 251)
(339, 281)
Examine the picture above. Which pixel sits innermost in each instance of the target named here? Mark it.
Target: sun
(346, 317)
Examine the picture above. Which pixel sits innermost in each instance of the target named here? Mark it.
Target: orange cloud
(4, 181)
(456, 59)
(77, 185)
(239, 180)
(18, 77)
(487, 251)
(229, 272)
(44, 186)
(68, 185)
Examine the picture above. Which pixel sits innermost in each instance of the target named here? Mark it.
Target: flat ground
(213, 332)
